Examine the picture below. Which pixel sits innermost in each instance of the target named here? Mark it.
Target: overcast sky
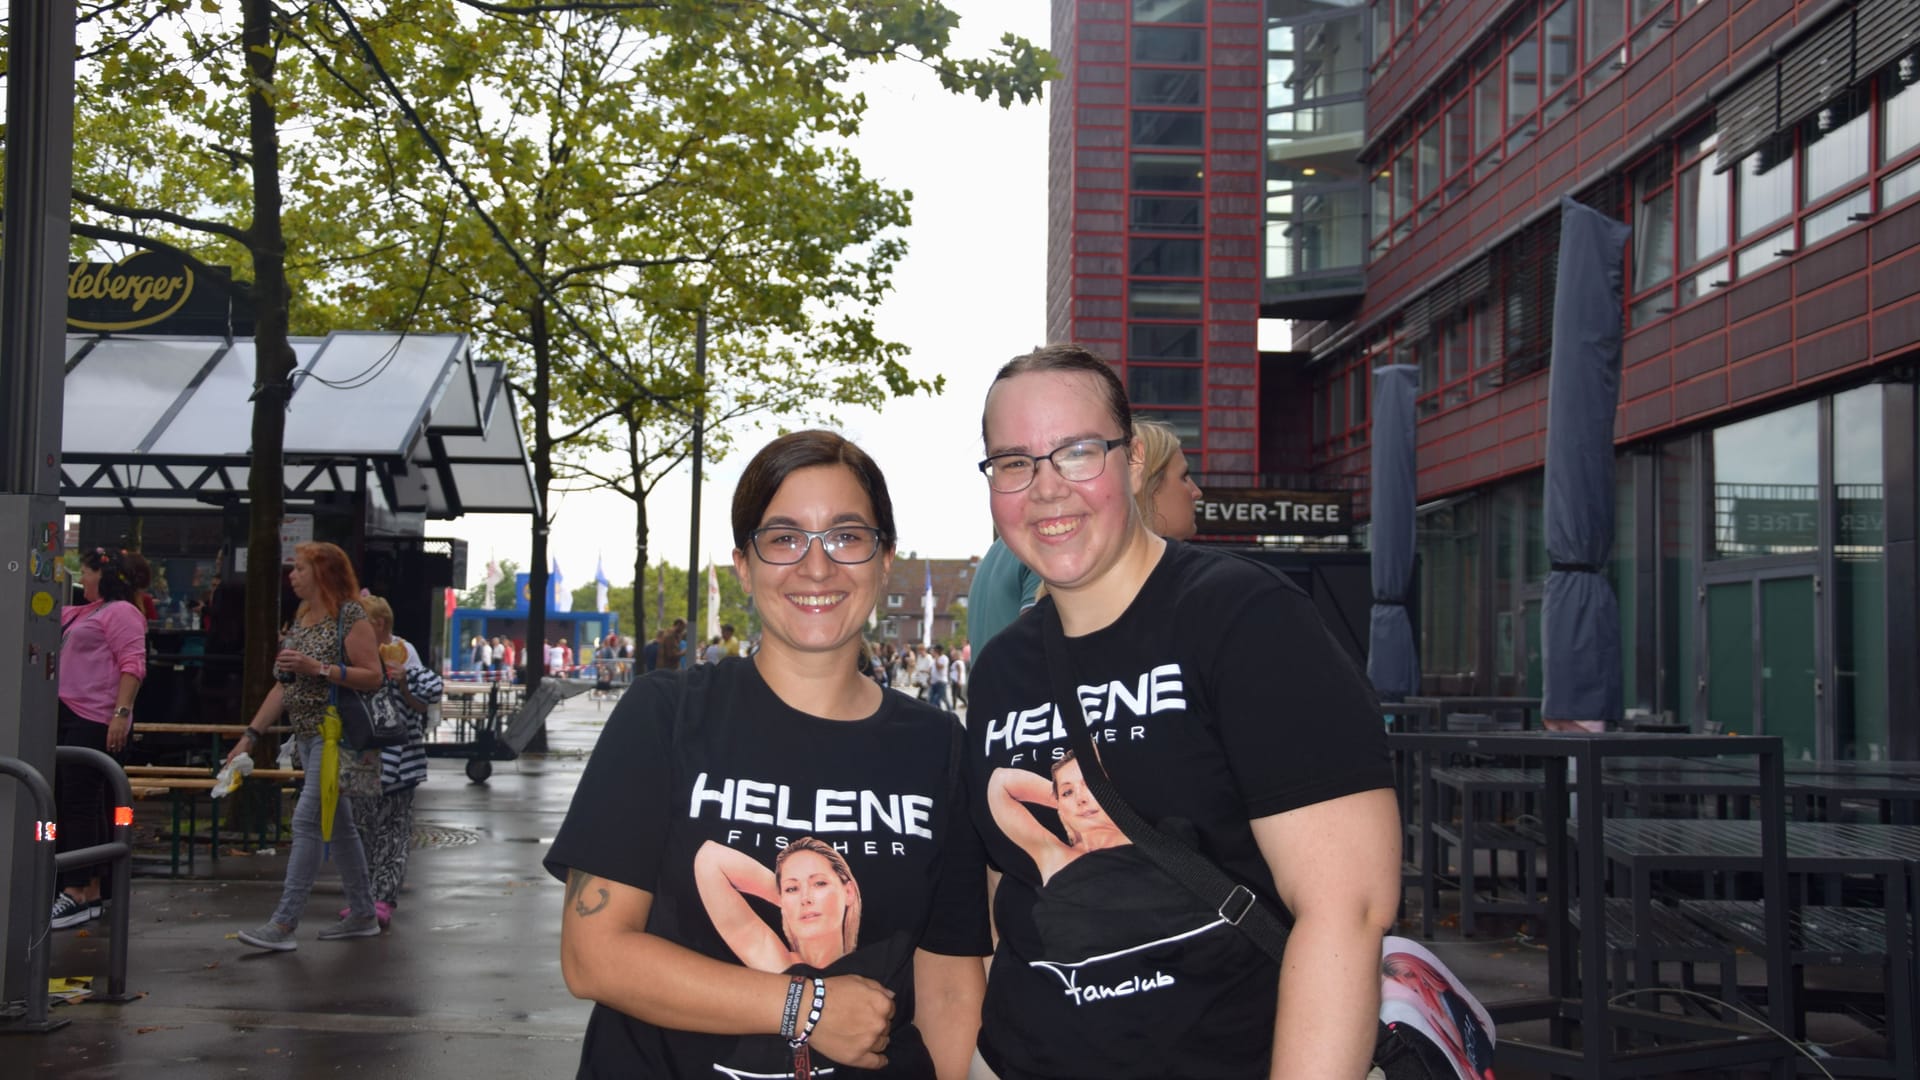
(969, 295)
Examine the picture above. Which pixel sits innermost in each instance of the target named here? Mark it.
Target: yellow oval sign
(43, 604)
(146, 297)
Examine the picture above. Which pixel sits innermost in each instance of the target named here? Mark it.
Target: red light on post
(122, 815)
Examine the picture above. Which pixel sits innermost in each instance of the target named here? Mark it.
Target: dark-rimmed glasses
(784, 545)
(1076, 461)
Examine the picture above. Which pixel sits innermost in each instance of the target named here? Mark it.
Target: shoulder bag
(1403, 1047)
(369, 719)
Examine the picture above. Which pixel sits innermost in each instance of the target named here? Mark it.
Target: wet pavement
(466, 983)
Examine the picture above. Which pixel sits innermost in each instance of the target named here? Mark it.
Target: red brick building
(1767, 155)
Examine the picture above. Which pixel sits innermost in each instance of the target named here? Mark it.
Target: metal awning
(152, 421)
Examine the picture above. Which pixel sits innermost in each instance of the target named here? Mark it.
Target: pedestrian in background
(331, 644)
(103, 661)
(385, 816)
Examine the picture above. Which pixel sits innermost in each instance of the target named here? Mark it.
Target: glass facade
(1860, 576)
(1316, 190)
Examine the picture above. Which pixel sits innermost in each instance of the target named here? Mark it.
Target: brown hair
(116, 575)
(787, 455)
(1070, 358)
(334, 582)
(849, 922)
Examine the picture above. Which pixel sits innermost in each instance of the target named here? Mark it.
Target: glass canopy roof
(153, 420)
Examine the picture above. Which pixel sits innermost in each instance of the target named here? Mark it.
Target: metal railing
(117, 853)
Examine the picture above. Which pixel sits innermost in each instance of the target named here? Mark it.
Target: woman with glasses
(708, 953)
(1224, 713)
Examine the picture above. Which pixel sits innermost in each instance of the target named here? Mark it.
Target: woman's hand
(855, 1022)
(117, 731)
(298, 662)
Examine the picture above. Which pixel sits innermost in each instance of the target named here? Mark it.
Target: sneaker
(352, 926)
(383, 913)
(68, 912)
(271, 936)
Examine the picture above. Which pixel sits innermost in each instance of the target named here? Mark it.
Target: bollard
(35, 1021)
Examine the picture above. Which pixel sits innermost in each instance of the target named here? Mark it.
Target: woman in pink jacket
(103, 658)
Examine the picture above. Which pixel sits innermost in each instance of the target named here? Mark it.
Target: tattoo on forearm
(577, 883)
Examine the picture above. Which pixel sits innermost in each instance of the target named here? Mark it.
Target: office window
(1523, 89)
(1900, 106)
(1159, 257)
(1169, 172)
(1161, 341)
(1765, 186)
(1151, 87)
(1169, 45)
(1156, 128)
(1163, 299)
(1652, 225)
(1834, 147)
(1606, 24)
(1557, 53)
(1152, 384)
(1165, 11)
(896, 600)
(1184, 422)
(1156, 213)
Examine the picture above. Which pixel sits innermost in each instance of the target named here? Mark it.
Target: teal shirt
(1003, 587)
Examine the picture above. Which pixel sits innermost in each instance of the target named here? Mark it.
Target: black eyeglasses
(1077, 461)
(784, 545)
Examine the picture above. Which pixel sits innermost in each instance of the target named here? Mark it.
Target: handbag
(369, 719)
(1438, 1031)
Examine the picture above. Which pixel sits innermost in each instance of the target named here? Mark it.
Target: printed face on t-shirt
(816, 604)
(813, 900)
(1069, 532)
(1080, 813)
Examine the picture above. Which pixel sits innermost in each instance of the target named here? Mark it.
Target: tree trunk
(273, 366)
(535, 653)
(642, 630)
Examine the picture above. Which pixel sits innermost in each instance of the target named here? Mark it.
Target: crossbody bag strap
(1233, 901)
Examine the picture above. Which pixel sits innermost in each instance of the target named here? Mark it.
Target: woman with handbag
(330, 644)
(383, 780)
(768, 861)
(1205, 694)
(103, 660)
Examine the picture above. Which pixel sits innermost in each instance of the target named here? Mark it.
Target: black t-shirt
(1217, 697)
(668, 803)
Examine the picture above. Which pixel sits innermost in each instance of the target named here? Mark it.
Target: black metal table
(1648, 846)
(1576, 868)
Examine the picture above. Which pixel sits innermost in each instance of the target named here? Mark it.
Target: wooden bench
(185, 784)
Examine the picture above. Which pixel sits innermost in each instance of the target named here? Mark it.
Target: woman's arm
(947, 992)
(362, 670)
(122, 722)
(726, 878)
(271, 707)
(1337, 867)
(607, 956)
(1007, 792)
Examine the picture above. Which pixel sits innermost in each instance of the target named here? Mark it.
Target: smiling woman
(822, 891)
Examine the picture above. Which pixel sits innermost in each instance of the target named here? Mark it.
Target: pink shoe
(383, 912)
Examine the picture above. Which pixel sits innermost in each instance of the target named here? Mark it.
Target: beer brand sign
(148, 292)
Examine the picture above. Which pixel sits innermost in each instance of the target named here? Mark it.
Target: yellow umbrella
(329, 771)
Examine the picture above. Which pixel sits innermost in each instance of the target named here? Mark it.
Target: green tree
(957, 639)
(651, 163)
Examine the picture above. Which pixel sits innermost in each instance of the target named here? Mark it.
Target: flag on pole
(713, 602)
(926, 624)
(600, 583)
(562, 599)
(494, 578)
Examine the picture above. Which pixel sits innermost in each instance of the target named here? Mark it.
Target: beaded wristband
(790, 1019)
(813, 1013)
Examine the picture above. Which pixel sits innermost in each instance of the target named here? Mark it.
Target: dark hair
(789, 454)
(116, 576)
(1073, 359)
